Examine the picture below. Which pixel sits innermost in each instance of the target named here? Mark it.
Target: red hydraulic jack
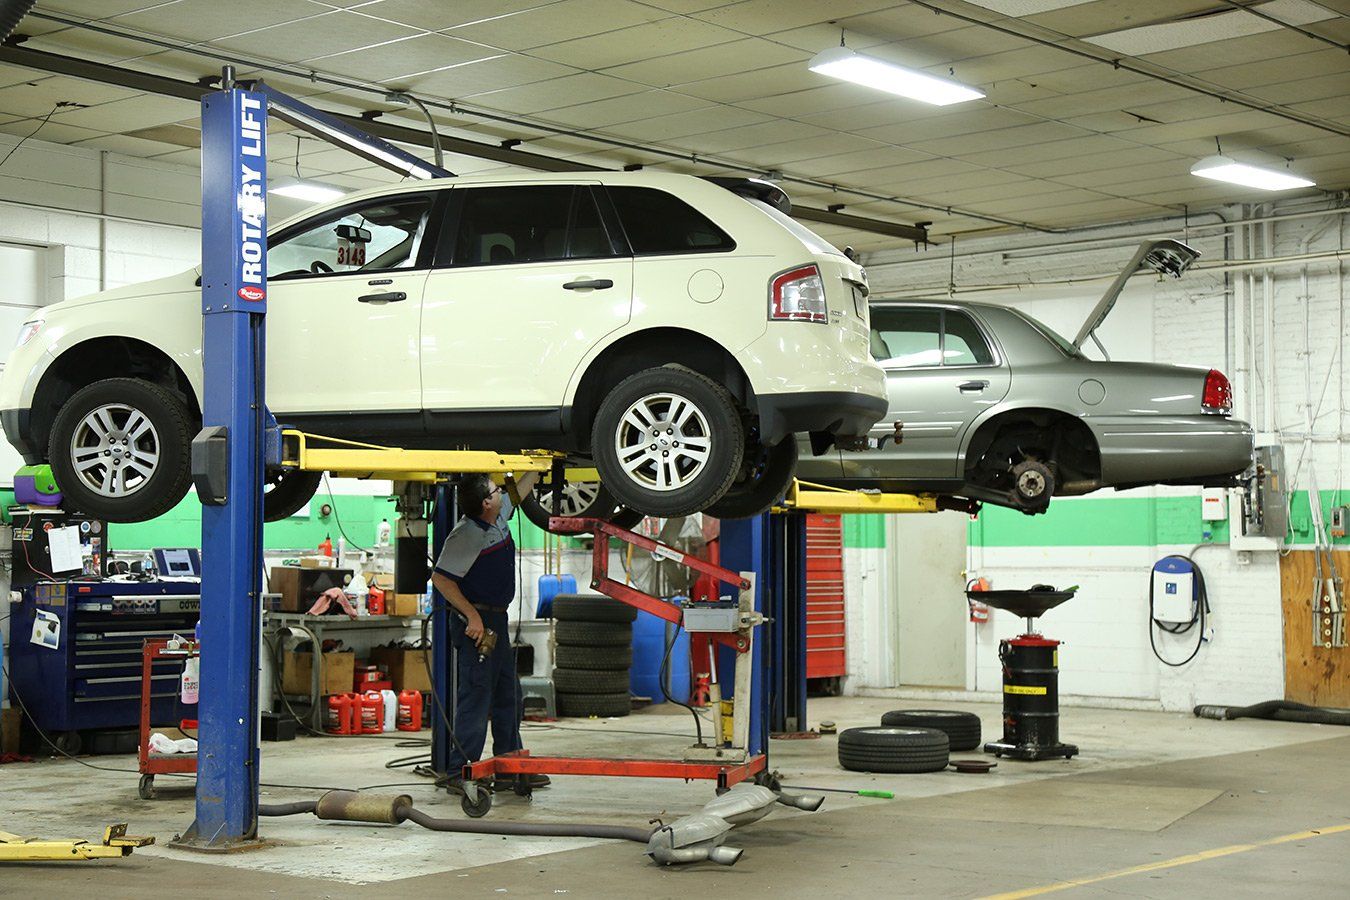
(730, 623)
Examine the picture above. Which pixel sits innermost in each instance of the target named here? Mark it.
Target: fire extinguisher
(372, 713)
(979, 612)
(410, 711)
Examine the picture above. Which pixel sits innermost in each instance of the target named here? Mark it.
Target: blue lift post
(234, 304)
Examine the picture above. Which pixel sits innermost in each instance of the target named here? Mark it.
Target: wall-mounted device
(1258, 515)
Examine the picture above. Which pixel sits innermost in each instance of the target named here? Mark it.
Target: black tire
(962, 728)
(590, 681)
(583, 499)
(593, 634)
(626, 518)
(569, 656)
(170, 434)
(285, 491)
(591, 608)
(717, 425)
(765, 480)
(583, 705)
(893, 750)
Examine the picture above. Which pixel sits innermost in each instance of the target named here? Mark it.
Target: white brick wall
(1191, 321)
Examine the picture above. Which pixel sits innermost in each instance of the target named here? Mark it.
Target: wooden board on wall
(1318, 676)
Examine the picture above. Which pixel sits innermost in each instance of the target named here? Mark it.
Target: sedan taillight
(1218, 394)
(798, 295)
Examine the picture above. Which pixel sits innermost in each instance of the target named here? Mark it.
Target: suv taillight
(798, 295)
(1218, 395)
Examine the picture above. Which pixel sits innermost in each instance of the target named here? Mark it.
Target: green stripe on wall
(866, 532)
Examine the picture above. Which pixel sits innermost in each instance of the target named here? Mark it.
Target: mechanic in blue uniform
(476, 572)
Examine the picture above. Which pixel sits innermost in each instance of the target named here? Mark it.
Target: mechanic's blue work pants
(488, 691)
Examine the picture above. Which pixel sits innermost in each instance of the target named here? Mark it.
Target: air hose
(1281, 710)
(393, 809)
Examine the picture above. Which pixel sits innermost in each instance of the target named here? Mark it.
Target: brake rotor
(973, 766)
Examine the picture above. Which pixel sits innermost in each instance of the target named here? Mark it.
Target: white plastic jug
(390, 709)
(190, 684)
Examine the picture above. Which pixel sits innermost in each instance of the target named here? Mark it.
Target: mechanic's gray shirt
(468, 539)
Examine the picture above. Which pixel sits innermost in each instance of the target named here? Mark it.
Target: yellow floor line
(1168, 863)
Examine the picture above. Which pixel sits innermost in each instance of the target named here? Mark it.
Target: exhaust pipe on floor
(1280, 710)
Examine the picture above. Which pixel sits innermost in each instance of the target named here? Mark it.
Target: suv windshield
(1064, 346)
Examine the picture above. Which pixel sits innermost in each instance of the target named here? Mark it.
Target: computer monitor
(178, 562)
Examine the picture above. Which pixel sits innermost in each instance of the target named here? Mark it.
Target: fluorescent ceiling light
(843, 63)
(1223, 168)
(311, 191)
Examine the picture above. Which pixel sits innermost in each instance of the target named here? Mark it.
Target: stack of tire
(593, 652)
(909, 741)
(962, 728)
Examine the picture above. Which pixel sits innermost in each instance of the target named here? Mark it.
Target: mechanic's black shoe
(453, 784)
(502, 782)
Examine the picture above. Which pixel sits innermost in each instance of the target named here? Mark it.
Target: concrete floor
(1156, 805)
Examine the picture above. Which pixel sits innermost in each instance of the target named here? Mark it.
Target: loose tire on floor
(590, 681)
(583, 705)
(593, 634)
(893, 750)
(591, 608)
(962, 728)
(568, 656)
(763, 480)
(119, 449)
(668, 441)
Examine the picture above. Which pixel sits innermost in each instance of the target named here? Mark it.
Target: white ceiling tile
(554, 93)
(202, 20)
(560, 21)
(758, 17)
(687, 124)
(691, 66)
(627, 108)
(438, 15)
(323, 35)
(639, 42)
(402, 58)
(496, 74)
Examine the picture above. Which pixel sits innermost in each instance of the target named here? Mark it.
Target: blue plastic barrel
(551, 586)
(649, 645)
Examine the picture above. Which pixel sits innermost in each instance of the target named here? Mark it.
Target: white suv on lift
(673, 330)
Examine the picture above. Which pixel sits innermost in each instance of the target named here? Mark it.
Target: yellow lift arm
(353, 459)
(116, 844)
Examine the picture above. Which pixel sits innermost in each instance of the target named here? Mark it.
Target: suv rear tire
(118, 426)
(668, 441)
(580, 499)
(766, 480)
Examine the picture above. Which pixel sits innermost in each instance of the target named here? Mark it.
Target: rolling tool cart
(152, 764)
(729, 622)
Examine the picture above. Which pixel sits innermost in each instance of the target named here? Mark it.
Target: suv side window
(538, 223)
(660, 223)
(962, 342)
(906, 338)
(379, 236)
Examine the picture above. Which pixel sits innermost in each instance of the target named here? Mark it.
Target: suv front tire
(119, 449)
(668, 441)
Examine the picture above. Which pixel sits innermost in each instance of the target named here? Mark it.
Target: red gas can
(340, 718)
(410, 711)
(372, 713)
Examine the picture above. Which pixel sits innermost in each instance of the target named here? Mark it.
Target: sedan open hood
(1166, 257)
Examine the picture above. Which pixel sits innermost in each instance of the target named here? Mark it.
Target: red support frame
(521, 762)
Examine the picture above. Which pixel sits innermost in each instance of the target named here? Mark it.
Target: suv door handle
(388, 297)
(970, 387)
(598, 284)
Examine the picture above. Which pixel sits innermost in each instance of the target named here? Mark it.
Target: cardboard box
(300, 587)
(402, 604)
(10, 720)
(318, 562)
(339, 667)
(407, 668)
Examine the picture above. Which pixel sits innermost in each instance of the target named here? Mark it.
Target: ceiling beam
(117, 76)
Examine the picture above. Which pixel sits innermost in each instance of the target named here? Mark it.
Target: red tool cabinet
(826, 656)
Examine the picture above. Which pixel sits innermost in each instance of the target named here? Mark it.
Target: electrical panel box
(1259, 513)
(1214, 504)
(1173, 591)
(717, 616)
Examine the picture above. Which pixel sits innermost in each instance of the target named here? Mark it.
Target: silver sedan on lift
(994, 406)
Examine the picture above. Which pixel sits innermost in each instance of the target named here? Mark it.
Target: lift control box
(719, 615)
(1173, 591)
